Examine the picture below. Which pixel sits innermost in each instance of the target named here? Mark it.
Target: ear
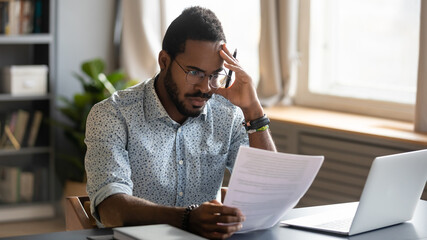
(164, 60)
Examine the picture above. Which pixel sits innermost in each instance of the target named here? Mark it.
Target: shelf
(8, 97)
(15, 212)
(39, 38)
(30, 49)
(24, 151)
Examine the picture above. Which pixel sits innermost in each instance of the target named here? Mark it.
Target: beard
(173, 92)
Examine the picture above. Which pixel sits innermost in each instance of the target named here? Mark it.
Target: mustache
(199, 94)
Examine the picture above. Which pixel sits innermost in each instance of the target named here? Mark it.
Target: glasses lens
(218, 80)
(194, 77)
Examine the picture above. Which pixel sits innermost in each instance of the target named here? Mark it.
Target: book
(13, 24)
(9, 128)
(26, 186)
(38, 16)
(21, 125)
(41, 184)
(10, 184)
(4, 16)
(16, 17)
(34, 128)
(153, 232)
(26, 17)
(11, 138)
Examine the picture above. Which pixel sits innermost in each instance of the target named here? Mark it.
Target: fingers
(217, 209)
(230, 62)
(228, 57)
(218, 235)
(216, 221)
(233, 64)
(220, 231)
(215, 202)
(225, 49)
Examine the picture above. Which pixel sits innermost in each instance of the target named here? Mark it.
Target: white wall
(84, 31)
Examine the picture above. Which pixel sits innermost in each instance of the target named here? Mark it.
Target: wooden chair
(77, 213)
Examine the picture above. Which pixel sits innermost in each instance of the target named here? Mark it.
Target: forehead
(202, 54)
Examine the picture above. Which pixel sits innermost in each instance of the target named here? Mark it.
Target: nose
(204, 85)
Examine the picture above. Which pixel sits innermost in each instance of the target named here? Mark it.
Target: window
(360, 56)
(241, 23)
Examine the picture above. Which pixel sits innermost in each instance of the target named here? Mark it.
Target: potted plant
(96, 87)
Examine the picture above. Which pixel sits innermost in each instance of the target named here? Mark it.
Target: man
(158, 150)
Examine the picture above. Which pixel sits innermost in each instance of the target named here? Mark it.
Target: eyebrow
(201, 70)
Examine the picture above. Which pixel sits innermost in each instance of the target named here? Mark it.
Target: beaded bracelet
(263, 128)
(186, 215)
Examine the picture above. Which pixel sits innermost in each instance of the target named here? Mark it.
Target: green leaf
(93, 68)
(116, 77)
(81, 100)
(130, 83)
(71, 114)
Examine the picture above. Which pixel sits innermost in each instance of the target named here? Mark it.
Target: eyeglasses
(216, 80)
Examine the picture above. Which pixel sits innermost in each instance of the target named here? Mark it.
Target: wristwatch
(257, 124)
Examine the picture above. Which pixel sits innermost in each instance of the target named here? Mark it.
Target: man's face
(190, 99)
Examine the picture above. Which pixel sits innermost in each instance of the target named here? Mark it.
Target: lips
(197, 101)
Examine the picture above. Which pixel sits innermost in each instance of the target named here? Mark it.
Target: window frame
(303, 96)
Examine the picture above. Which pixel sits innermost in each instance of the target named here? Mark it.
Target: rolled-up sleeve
(106, 161)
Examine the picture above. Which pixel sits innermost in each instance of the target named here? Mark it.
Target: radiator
(347, 160)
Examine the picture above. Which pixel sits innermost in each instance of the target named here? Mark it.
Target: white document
(264, 185)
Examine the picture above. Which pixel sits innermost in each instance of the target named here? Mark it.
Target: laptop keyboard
(342, 224)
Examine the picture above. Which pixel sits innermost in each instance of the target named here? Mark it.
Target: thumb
(215, 202)
(223, 92)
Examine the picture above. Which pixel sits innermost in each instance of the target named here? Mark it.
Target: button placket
(180, 166)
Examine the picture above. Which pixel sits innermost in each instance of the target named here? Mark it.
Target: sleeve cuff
(102, 194)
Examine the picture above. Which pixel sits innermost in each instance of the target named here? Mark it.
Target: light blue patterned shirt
(134, 147)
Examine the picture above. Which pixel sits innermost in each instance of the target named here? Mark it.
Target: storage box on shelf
(25, 80)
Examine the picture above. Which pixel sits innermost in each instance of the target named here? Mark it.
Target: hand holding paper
(265, 184)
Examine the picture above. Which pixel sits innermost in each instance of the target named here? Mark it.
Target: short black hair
(194, 23)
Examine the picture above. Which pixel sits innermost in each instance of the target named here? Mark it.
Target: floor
(32, 227)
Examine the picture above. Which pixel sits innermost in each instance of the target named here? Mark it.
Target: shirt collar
(152, 101)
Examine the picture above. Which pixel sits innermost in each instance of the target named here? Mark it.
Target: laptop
(390, 195)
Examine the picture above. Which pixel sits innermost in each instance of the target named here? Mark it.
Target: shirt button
(180, 162)
(180, 194)
(179, 130)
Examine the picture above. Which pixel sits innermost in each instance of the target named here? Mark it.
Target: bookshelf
(36, 160)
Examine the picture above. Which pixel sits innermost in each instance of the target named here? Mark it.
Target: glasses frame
(201, 79)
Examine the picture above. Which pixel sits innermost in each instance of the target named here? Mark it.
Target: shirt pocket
(212, 172)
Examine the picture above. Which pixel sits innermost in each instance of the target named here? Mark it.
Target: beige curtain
(421, 104)
(141, 37)
(278, 51)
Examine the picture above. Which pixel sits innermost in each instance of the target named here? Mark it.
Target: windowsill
(350, 123)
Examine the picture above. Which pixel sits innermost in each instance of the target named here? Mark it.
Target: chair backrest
(77, 213)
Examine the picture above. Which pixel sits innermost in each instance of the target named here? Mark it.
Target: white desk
(414, 229)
